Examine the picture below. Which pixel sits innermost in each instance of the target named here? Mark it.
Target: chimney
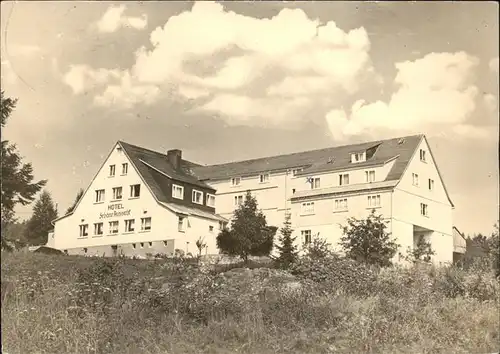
(174, 157)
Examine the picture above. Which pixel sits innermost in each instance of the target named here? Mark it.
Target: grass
(64, 304)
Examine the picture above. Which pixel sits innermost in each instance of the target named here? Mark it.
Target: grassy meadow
(64, 304)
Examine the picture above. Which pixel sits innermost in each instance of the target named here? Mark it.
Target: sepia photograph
(252, 177)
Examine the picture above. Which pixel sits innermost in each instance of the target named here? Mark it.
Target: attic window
(331, 160)
(401, 141)
(295, 171)
(358, 157)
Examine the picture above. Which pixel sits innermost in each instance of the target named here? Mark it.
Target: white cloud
(493, 65)
(82, 77)
(275, 59)
(256, 112)
(114, 19)
(435, 90)
(126, 94)
(491, 102)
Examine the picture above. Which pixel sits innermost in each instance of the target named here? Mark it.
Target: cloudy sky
(230, 81)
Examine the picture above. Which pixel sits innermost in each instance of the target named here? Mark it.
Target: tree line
(19, 188)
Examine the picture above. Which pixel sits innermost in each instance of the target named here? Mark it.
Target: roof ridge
(142, 148)
(159, 153)
(380, 141)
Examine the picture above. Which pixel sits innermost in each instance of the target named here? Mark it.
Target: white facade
(155, 227)
(399, 180)
(320, 203)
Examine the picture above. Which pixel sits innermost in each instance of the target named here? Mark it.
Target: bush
(337, 274)
(175, 305)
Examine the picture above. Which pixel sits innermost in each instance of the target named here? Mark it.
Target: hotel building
(144, 201)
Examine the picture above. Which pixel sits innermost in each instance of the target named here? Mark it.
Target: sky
(227, 81)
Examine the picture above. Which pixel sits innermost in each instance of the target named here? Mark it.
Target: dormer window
(235, 181)
(295, 171)
(358, 157)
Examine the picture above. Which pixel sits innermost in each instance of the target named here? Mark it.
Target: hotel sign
(114, 210)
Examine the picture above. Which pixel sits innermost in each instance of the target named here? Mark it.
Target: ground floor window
(306, 236)
(145, 224)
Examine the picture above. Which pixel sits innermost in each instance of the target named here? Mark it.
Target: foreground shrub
(367, 241)
(183, 309)
(337, 274)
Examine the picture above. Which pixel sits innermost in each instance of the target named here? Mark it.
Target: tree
(40, 223)
(79, 195)
(17, 178)
(422, 252)
(367, 241)
(249, 234)
(287, 248)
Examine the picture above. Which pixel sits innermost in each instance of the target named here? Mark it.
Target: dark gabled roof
(155, 166)
(317, 160)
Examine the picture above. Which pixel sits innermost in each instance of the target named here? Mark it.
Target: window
(117, 193)
(422, 155)
(358, 157)
(165, 243)
(431, 184)
(124, 168)
(293, 190)
(99, 196)
(134, 245)
(370, 176)
(235, 181)
(306, 235)
(308, 208)
(129, 225)
(111, 170)
(415, 179)
(180, 224)
(177, 191)
(135, 191)
(341, 204)
(343, 179)
(197, 197)
(146, 224)
(113, 227)
(424, 209)
(98, 228)
(85, 250)
(295, 171)
(315, 182)
(211, 228)
(142, 244)
(211, 200)
(222, 225)
(150, 244)
(264, 178)
(374, 201)
(238, 199)
(84, 230)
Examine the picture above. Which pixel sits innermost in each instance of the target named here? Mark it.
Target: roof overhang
(182, 210)
(349, 189)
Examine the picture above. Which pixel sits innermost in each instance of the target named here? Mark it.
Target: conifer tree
(40, 223)
(249, 234)
(288, 252)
